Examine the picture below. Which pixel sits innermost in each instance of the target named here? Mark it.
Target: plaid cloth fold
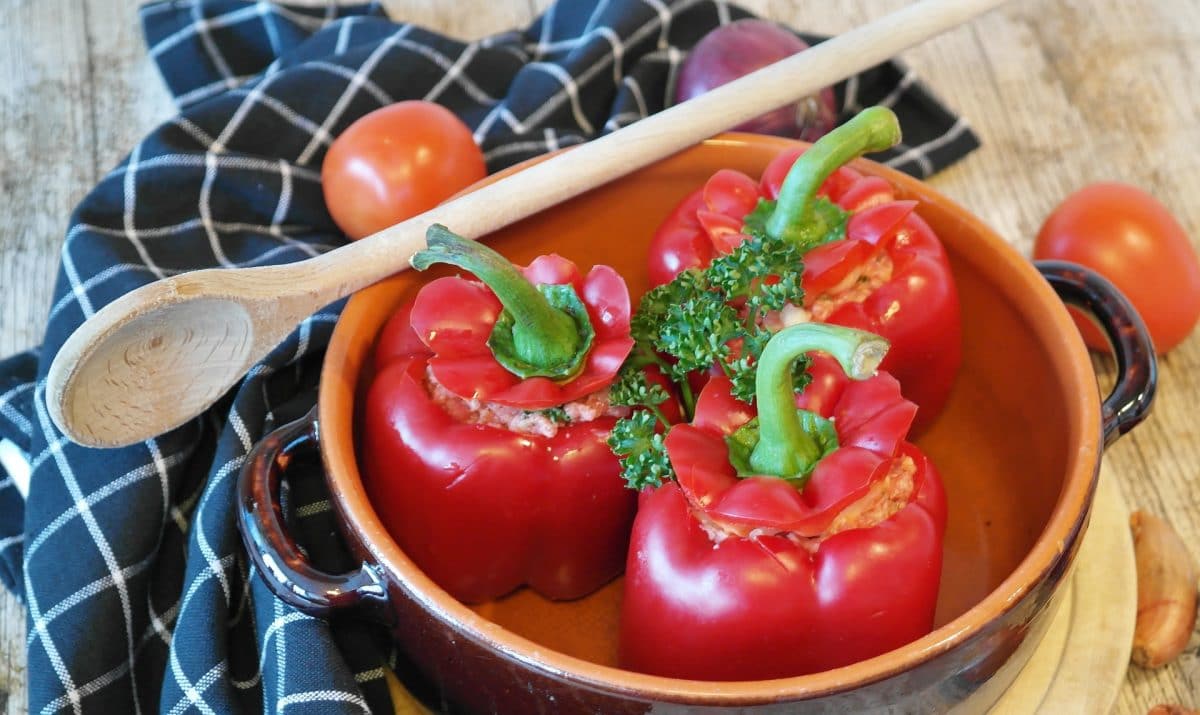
(139, 596)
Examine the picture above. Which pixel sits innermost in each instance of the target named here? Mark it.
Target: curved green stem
(872, 129)
(784, 447)
(544, 337)
(687, 399)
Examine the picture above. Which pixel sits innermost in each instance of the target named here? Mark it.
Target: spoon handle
(601, 160)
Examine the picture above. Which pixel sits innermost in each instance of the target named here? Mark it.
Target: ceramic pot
(1018, 444)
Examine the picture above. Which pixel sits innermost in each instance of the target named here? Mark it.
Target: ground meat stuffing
(884, 498)
(545, 423)
(854, 288)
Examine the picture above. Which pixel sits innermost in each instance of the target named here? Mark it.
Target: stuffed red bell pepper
(485, 425)
(800, 538)
(870, 261)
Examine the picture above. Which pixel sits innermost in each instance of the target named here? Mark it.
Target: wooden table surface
(1062, 93)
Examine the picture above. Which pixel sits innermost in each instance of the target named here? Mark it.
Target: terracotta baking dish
(1019, 447)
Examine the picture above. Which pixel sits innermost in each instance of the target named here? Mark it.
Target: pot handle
(286, 570)
(1137, 368)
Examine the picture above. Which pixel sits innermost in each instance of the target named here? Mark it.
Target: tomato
(1131, 239)
(397, 162)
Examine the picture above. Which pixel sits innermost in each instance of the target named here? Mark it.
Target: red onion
(739, 48)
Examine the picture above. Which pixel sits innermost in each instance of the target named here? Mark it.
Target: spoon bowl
(158, 356)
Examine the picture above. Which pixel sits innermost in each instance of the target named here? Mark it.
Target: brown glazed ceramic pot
(1018, 444)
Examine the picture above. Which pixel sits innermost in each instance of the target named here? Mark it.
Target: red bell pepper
(803, 538)
(480, 503)
(886, 273)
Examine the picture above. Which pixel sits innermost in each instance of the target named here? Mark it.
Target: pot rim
(1064, 526)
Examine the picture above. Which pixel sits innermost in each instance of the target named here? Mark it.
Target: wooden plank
(1062, 92)
(46, 165)
(451, 18)
(77, 92)
(128, 96)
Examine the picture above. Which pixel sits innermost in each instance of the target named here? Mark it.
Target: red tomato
(1131, 239)
(397, 162)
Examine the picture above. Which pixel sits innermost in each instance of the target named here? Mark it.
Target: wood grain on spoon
(160, 355)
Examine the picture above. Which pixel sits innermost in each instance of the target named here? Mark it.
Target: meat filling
(858, 284)
(883, 499)
(544, 423)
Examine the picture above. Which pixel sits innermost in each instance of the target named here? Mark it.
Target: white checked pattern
(139, 596)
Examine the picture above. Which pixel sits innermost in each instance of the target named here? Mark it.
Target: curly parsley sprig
(702, 318)
(639, 443)
(715, 316)
(638, 439)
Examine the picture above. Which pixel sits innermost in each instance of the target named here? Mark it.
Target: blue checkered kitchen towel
(139, 597)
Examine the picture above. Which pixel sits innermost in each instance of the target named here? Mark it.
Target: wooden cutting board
(1079, 667)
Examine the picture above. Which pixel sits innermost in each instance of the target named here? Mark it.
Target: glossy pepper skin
(916, 309)
(482, 509)
(777, 597)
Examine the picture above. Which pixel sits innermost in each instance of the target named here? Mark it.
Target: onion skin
(737, 49)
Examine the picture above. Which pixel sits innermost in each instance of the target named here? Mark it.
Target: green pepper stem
(784, 448)
(872, 129)
(543, 335)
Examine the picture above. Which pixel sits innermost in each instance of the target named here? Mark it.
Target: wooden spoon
(160, 355)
